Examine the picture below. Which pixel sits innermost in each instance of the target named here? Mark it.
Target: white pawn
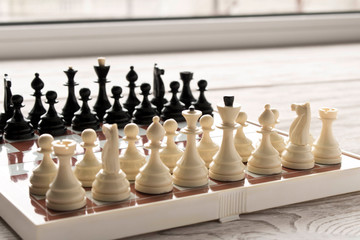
(132, 159)
(171, 153)
(206, 147)
(265, 159)
(65, 191)
(243, 144)
(276, 139)
(227, 164)
(190, 170)
(45, 173)
(297, 154)
(154, 177)
(326, 149)
(110, 183)
(89, 166)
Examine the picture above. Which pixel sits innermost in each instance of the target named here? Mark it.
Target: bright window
(69, 10)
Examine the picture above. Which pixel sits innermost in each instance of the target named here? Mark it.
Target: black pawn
(102, 102)
(132, 101)
(144, 113)
(158, 90)
(71, 104)
(173, 108)
(38, 109)
(17, 128)
(8, 107)
(116, 114)
(84, 118)
(51, 122)
(202, 104)
(186, 95)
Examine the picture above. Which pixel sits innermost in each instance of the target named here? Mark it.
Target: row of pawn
(110, 183)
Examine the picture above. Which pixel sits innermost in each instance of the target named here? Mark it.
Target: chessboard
(142, 213)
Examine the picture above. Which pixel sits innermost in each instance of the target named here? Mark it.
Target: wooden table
(321, 75)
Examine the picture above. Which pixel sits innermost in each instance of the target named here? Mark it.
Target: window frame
(197, 34)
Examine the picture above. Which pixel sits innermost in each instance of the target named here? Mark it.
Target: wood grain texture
(322, 75)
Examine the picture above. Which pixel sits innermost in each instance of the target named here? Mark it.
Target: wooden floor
(322, 75)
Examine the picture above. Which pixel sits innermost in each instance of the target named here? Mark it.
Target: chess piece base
(53, 131)
(190, 177)
(244, 151)
(170, 158)
(226, 178)
(327, 160)
(110, 187)
(131, 166)
(326, 155)
(40, 182)
(41, 191)
(152, 189)
(277, 141)
(264, 171)
(86, 175)
(207, 155)
(71, 200)
(297, 157)
(264, 163)
(18, 131)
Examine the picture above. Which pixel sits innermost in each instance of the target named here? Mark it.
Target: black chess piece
(84, 118)
(116, 114)
(202, 104)
(174, 108)
(38, 109)
(158, 89)
(71, 104)
(51, 122)
(145, 111)
(17, 128)
(228, 101)
(102, 102)
(8, 107)
(132, 101)
(186, 96)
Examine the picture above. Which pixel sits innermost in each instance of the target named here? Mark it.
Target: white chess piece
(65, 191)
(326, 149)
(154, 177)
(227, 164)
(46, 171)
(190, 170)
(297, 154)
(89, 166)
(265, 159)
(206, 147)
(171, 153)
(243, 144)
(131, 159)
(110, 183)
(277, 140)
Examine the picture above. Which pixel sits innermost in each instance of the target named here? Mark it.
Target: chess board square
(226, 185)
(8, 148)
(25, 145)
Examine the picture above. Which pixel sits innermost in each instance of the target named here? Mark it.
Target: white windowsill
(107, 38)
